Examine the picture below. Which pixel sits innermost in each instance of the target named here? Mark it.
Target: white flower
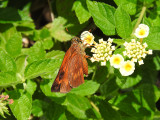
(116, 60)
(145, 45)
(142, 31)
(92, 59)
(140, 62)
(150, 52)
(110, 40)
(127, 68)
(134, 60)
(103, 63)
(87, 38)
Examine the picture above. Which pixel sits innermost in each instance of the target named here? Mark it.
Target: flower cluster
(103, 51)
(135, 50)
(3, 102)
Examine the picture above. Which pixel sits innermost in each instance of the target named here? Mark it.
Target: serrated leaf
(37, 109)
(21, 64)
(48, 43)
(55, 54)
(129, 81)
(58, 31)
(81, 11)
(148, 95)
(46, 85)
(36, 52)
(77, 105)
(107, 112)
(129, 6)
(8, 79)
(123, 23)
(22, 105)
(14, 44)
(6, 62)
(153, 41)
(119, 41)
(44, 33)
(109, 87)
(88, 88)
(31, 86)
(131, 104)
(103, 16)
(41, 67)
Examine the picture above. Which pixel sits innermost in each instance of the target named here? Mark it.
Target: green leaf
(6, 62)
(131, 104)
(107, 112)
(31, 86)
(58, 31)
(129, 81)
(14, 44)
(55, 54)
(153, 39)
(21, 64)
(22, 105)
(119, 41)
(37, 108)
(88, 88)
(81, 10)
(123, 23)
(11, 15)
(54, 112)
(129, 6)
(67, 20)
(36, 52)
(109, 88)
(100, 74)
(148, 95)
(48, 43)
(8, 79)
(44, 33)
(77, 105)
(45, 86)
(41, 67)
(103, 16)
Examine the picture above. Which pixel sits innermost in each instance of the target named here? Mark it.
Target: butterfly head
(76, 40)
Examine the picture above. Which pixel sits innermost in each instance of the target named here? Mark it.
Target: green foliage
(32, 47)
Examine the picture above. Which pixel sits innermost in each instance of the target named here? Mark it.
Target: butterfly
(72, 69)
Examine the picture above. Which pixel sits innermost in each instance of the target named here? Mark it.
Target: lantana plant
(135, 50)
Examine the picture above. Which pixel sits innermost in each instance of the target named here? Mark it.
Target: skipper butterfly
(72, 69)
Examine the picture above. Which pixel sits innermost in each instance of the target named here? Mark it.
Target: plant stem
(50, 7)
(94, 106)
(139, 19)
(141, 40)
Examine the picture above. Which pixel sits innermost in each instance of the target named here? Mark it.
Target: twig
(50, 7)
(139, 19)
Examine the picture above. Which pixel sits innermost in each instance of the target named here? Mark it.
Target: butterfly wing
(76, 73)
(71, 72)
(61, 80)
(85, 65)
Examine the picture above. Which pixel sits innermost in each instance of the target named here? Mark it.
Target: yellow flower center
(128, 67)
(89, 39)
(116, 60)
(141, 32)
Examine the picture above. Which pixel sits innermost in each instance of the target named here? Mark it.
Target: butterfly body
(72, 69)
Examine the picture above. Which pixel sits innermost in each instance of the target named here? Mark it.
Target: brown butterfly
(72, 69)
